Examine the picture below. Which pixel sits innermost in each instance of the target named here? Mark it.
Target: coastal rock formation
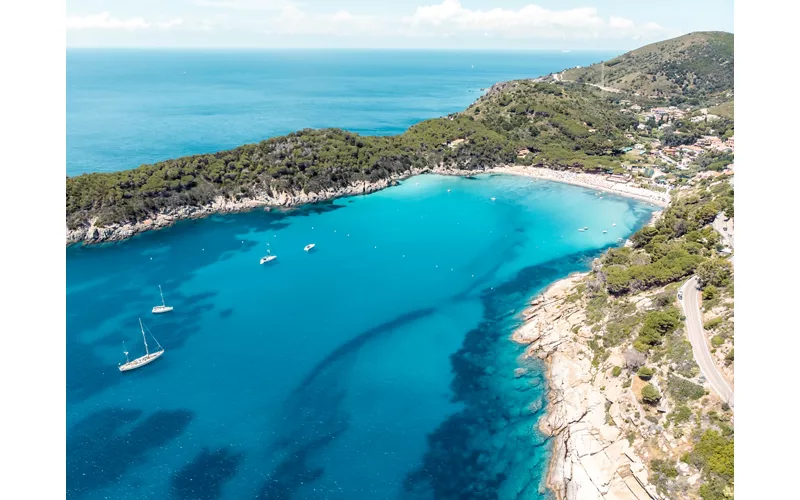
(591, 458)
(280, 199)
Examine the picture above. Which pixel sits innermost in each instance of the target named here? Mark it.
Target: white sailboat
(268, 258)
(148, 357)
(163, 308)
(308, 247)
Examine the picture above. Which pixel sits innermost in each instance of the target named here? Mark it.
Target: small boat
(149, 357)
(614, 225)
(448, 190)
(308, 247)
(582, 229)
(163, 308)
(605, 231)
(268, 258)
(493, 198)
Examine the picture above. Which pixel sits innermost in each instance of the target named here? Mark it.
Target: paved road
(694, 329)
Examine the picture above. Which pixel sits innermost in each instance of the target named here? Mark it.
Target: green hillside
(697, 66)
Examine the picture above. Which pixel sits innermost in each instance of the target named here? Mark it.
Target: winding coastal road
(697, 337)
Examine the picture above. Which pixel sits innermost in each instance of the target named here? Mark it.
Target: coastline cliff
(630, 414)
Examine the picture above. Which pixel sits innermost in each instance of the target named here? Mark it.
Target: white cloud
(620, 22)
(294, 21)
(171, 23)
(448, 20)
(274, 5)
(530, 21)
(105, 21)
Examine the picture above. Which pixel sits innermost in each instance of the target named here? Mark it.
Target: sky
(417, 24)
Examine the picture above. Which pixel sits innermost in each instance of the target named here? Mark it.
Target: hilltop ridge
(694, 67)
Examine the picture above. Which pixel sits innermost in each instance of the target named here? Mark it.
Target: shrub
(682, 390)
(710, 292)
(663, 299)
(664, 468)
(714, 454)
(678, 352)
(717, 340)
(716, 272)
(658, 324)
(645, 373)
(680, 415)
(712, 323)
(650, 395)
(729, 357)
(616, 371)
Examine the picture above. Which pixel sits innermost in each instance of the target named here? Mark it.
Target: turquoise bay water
(378, 366)
(130, 107)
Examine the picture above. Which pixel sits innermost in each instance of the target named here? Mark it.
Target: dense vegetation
(562, 125)
(695, 68)
(713, 455)
(680, 243)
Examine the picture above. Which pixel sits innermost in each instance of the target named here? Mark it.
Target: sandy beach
(591, 181)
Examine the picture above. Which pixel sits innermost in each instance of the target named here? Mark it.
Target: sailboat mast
(162, 296)
(146, 350)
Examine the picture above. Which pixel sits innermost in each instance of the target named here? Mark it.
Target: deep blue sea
(377, 366)
(130, 107)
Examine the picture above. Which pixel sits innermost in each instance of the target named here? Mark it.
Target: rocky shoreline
(591, 458)
(267, 200)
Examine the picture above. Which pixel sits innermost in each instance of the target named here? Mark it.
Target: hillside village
(673, 147)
